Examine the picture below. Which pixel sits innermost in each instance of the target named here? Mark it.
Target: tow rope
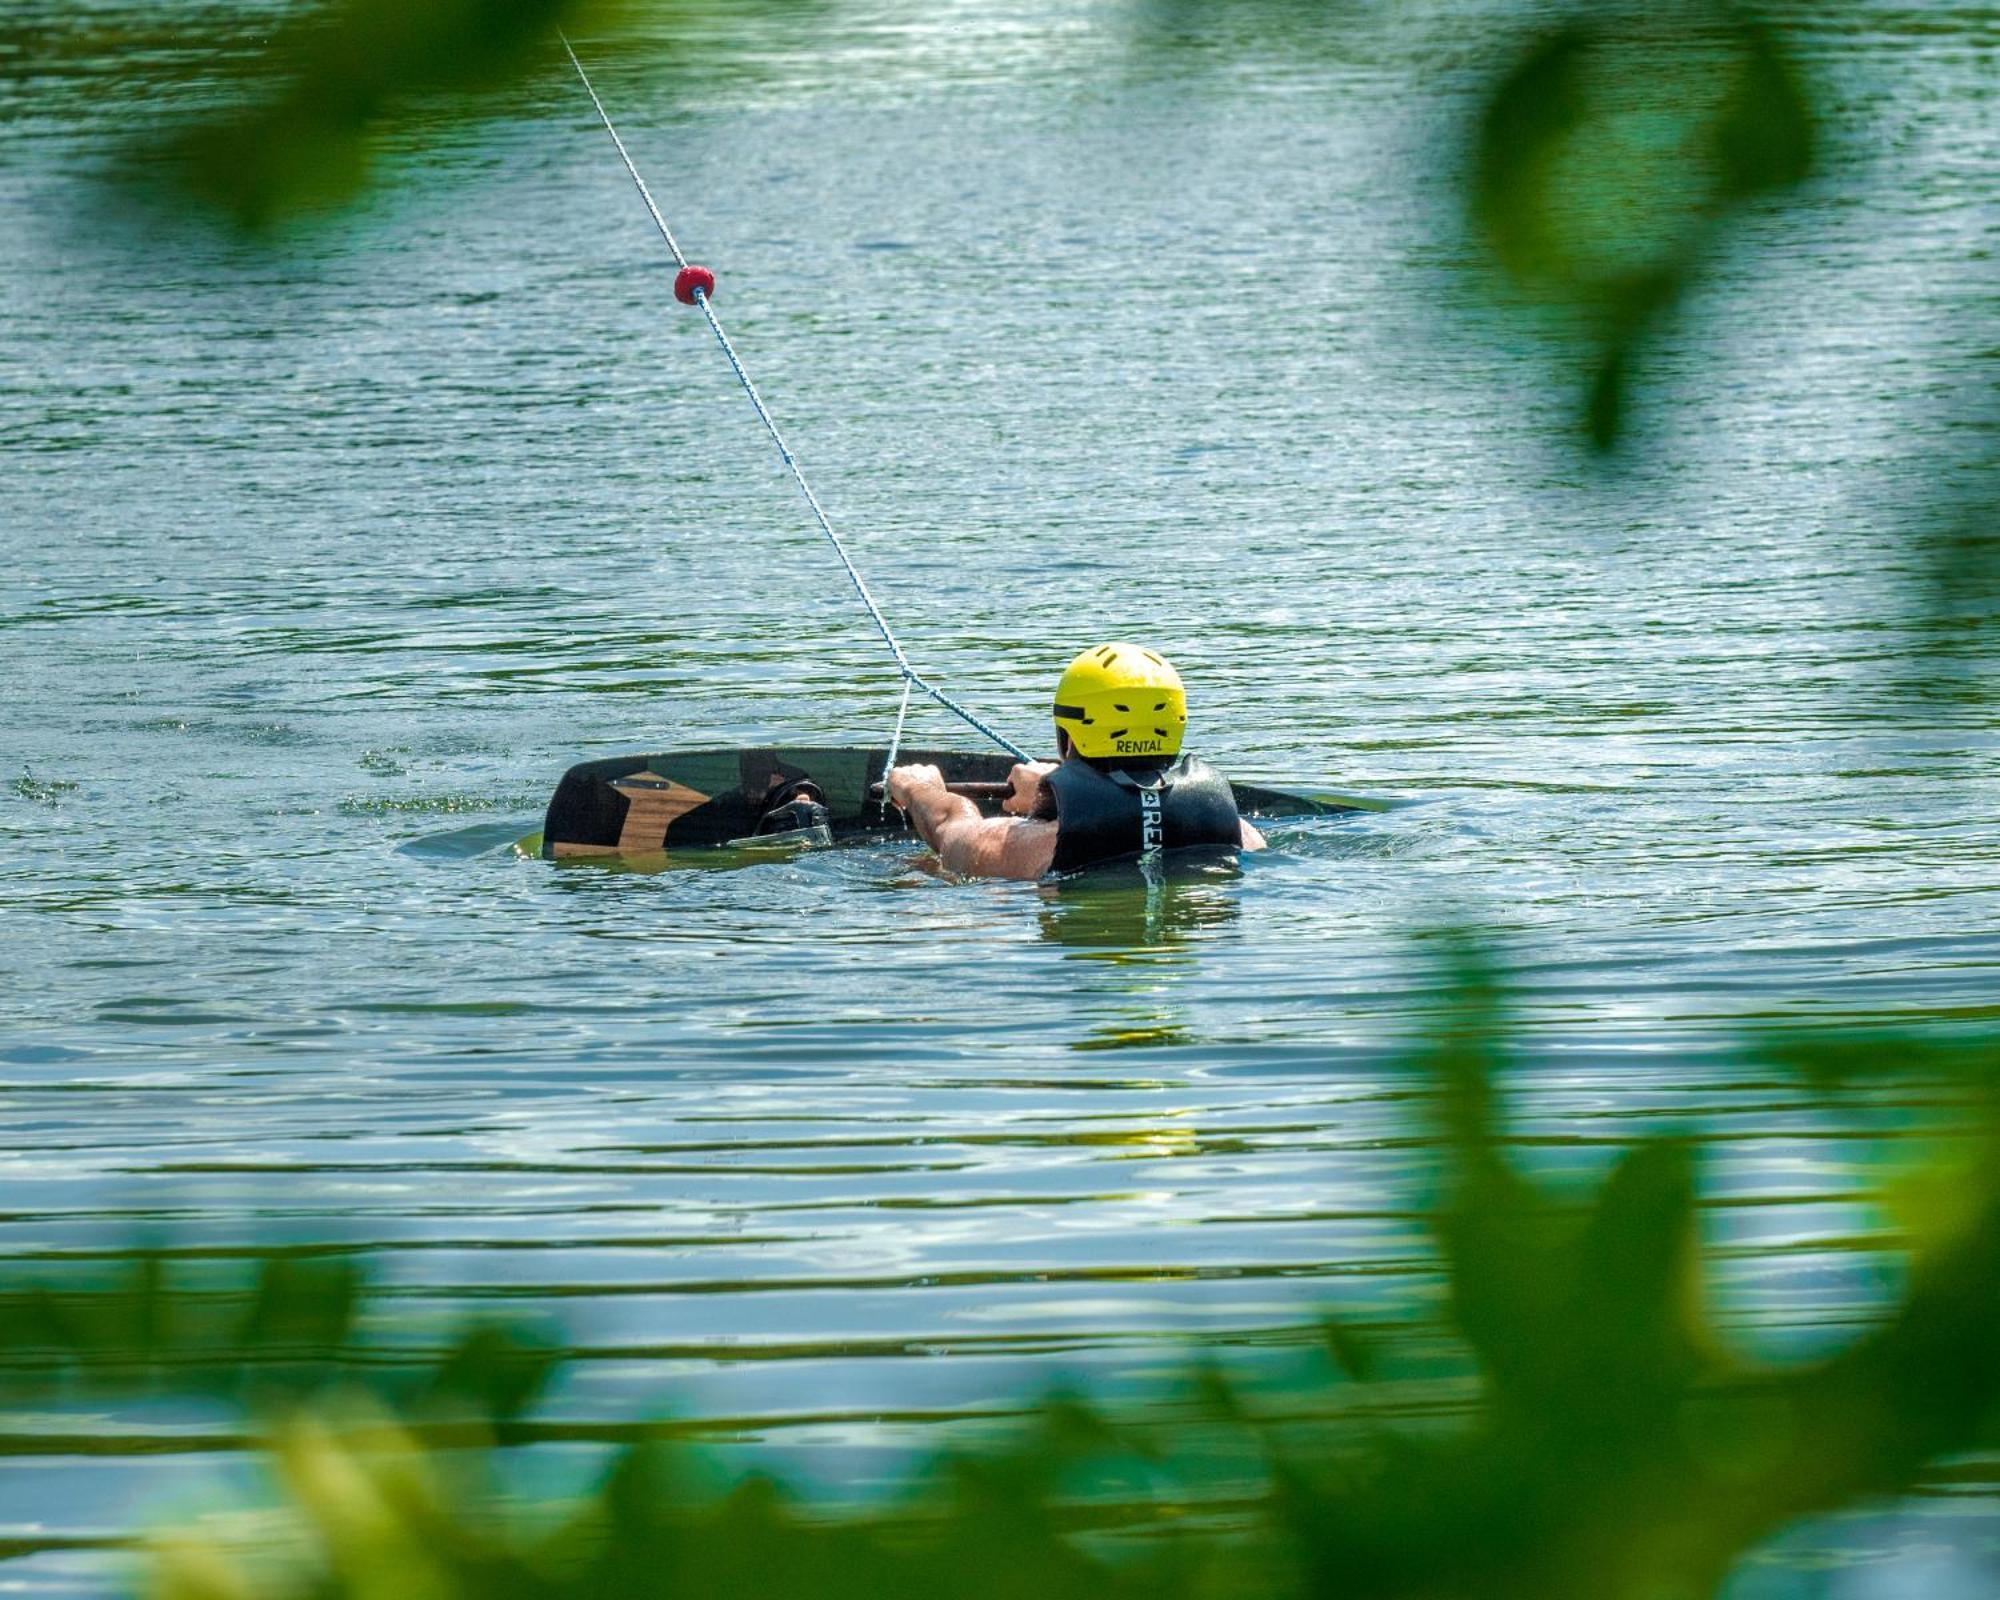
(693, 286)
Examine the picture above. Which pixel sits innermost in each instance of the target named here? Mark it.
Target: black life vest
(1103, 813)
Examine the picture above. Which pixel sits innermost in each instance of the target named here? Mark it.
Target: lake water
(322, 563)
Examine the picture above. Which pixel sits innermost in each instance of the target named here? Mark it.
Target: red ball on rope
(689, 279)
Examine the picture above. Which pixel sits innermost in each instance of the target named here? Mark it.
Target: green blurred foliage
(1607, 1442)
(266, 1330)
(298, 133)
(269, 114)
(1608, 160)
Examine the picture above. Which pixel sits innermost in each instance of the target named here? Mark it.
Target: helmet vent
(1152, 658)
(1126, 709)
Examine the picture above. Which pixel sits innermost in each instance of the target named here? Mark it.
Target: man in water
(1121, 789)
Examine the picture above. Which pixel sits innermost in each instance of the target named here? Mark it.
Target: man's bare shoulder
(1003, 847)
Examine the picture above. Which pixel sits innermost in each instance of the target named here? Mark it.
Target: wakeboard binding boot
(797, 814)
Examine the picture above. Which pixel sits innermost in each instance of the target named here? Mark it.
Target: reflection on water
(1126, 929)
(1140, 910)
(324, 565)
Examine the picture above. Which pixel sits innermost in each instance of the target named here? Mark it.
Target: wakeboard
(626, 806)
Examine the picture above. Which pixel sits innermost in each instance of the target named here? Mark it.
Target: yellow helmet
(1121, 700)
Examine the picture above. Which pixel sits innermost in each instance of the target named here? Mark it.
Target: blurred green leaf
(298, 131)
(1764, 134)
(1528, 116)
(494, 1373)
(1607, 162)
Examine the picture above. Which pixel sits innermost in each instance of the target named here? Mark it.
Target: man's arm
(970, 844)
(1252, 839)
